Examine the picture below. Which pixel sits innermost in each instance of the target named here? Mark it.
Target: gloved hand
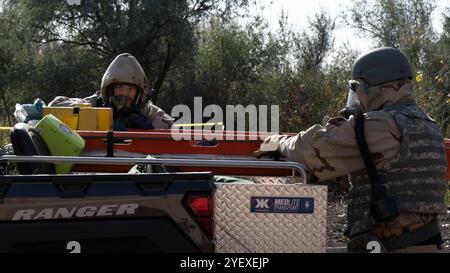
(118, 125)
(162, 121)
(269, 148)
(348, 111)
(138, 121)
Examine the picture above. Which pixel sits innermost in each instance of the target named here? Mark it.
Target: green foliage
(447, 198)
(233, 64)
(407, 25)
(201, 48)
(250, 65)
(434, 89)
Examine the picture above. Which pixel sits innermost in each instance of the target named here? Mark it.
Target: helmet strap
(366, 88)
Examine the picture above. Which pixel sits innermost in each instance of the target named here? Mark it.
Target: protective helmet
(381, 65)
(124, 70)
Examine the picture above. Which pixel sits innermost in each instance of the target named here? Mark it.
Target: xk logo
(281, 204)
(262, 203)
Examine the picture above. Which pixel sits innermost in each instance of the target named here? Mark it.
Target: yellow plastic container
(105, 119)
(88, 119)
(83, 118)
(67, 115)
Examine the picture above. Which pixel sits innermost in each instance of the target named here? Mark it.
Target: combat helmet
(381, 65)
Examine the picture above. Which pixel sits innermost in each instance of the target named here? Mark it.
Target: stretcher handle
(261, 164)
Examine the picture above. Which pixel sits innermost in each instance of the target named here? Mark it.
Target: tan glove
(269, 147)
(162, 121)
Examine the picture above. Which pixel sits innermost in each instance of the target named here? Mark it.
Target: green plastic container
(61, 141)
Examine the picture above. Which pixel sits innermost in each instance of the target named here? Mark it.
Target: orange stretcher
(161, 143)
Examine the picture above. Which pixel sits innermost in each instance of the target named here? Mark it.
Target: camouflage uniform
(123, 69)
(406, 145)
(417, 173)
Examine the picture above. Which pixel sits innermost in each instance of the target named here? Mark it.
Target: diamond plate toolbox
(270, 218)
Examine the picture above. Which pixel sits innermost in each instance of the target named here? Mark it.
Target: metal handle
(260, 164)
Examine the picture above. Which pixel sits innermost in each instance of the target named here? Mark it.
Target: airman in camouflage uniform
(405, 144)
(124, 69)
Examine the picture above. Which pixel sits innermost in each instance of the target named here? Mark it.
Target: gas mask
(353, 105)
(352, 98)
(121, 102)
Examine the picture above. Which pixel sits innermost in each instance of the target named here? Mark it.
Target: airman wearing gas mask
(405, 146)
(125, 89)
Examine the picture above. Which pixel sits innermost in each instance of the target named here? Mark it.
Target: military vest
(417, 174)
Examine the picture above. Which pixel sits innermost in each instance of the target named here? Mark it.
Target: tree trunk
(5, 103)
(165, 69)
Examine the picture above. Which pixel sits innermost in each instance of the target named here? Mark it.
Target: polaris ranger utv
(183, 212)
(43, 211)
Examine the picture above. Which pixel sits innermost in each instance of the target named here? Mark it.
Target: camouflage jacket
(331, 151)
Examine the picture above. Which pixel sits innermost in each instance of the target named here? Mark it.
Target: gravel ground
(445, 228)
(337, 218)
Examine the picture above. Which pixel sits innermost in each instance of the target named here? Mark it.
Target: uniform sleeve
(331, 151)
(159, 119)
